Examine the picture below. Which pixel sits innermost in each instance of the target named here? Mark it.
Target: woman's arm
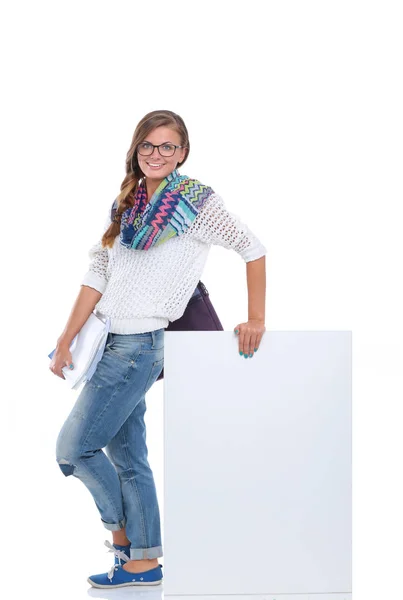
(251, 333)
(83, 307)
(216, 225)
(256, 281)
(93, 285)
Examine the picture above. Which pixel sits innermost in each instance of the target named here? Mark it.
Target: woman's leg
(129, 366)
(128, 452)
(120, 537)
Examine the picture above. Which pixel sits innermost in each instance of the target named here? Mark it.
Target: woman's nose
(155, 153)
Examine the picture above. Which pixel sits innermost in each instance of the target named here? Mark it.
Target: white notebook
(86, 349)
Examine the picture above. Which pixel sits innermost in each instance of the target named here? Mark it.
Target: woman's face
(155, 166)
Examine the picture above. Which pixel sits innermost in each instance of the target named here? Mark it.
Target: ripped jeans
(109, 413)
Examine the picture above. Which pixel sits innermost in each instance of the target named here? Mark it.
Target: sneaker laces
(121, 556)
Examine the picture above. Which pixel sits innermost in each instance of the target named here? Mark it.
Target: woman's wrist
(63, 343)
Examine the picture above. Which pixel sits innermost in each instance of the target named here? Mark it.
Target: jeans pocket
(127, 348)
(156, 369)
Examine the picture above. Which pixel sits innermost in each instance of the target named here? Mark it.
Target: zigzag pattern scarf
(170, 211)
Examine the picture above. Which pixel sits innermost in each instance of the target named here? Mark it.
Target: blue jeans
(109, 413)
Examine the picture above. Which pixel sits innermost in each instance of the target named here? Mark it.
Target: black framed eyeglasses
(146, 149)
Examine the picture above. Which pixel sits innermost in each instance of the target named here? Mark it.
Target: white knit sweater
(142, 290)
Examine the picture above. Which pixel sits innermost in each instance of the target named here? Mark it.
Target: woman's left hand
(250, 335)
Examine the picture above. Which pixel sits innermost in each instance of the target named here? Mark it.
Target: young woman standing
(143, 272)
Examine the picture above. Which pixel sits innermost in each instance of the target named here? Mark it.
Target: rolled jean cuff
(140, 553)
(114, 526)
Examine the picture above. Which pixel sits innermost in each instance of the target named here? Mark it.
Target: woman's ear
(183, 156)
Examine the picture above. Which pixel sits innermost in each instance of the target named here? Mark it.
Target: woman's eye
(145, 146)
(167, 147)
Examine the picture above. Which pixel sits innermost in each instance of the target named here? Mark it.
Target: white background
(294, 114)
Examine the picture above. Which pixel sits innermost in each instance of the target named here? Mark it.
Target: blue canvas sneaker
(118, 577)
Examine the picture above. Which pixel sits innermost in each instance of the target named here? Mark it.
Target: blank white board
(257, 473)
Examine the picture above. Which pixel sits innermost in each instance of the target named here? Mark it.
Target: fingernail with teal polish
(246, 356)
(250, 355)
(240, 353)
(71, 367)
(255, 349)
(236, 330)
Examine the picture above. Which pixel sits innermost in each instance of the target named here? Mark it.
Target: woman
(165, 224)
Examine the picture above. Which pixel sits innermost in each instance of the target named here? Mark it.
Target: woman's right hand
(61, 358)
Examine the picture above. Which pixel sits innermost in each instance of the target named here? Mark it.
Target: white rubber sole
(128, 584)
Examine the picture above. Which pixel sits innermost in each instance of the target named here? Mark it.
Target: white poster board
(257, 484)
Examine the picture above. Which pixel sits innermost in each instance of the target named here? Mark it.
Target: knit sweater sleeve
(216, 225)
(97, 276)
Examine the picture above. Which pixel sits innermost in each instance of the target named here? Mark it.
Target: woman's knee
(65, 466)
(65, 463)
(67, 453)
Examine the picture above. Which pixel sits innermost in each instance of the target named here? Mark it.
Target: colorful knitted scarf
(170, 211)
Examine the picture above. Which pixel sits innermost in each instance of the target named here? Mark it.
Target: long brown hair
(130, 183)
